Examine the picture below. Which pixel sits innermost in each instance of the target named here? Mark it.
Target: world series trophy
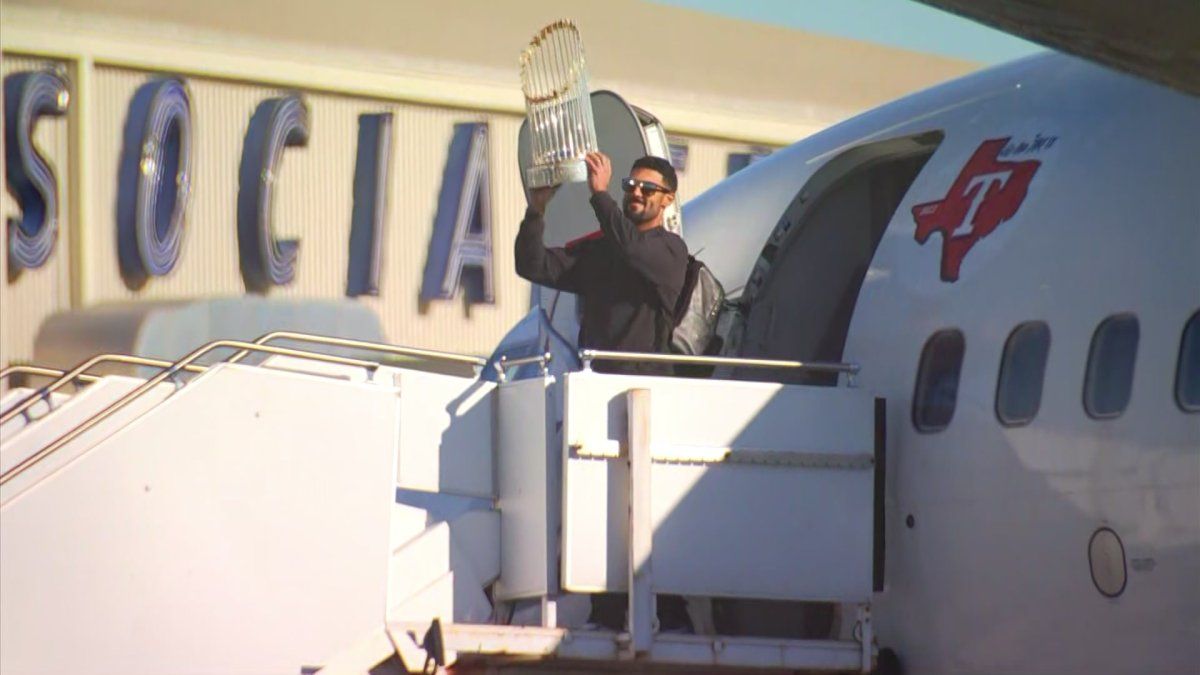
(558, 105)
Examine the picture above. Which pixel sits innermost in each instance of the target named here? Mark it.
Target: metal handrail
(179, 365)
(503, 364)
(31, 400)
(359, 344)
(44, 372)
(589, 355)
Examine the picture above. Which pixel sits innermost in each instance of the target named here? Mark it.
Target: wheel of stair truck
(888, 663)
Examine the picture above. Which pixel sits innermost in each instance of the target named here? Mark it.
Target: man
(628, 274)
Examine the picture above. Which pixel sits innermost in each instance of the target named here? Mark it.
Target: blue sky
(895, 23)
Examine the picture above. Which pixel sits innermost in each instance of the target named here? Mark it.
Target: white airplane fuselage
(1059, 192)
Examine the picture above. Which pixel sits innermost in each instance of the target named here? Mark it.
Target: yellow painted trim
(37, 32)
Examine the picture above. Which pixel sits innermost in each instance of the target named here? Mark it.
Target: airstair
(319, 512)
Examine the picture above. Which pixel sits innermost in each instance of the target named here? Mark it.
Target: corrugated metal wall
(313, 202)
(706, 166)
(38, 293)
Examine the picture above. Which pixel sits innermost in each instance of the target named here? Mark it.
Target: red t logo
(986, 193)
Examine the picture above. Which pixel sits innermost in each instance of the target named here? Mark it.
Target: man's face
(642, 206)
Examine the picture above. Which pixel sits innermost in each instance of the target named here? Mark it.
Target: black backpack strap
(664, 326)
(691, 277)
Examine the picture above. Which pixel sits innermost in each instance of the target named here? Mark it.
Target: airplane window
(1187, 378)
(1022, 369)
(937, 380)
(1110, 366)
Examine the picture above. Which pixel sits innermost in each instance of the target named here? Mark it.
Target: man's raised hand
(540, 197)
(599, 171)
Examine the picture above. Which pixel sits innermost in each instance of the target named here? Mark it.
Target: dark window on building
(679, 154)
(1187, 377)
(736, 161)
(1022, 371)
(937, 380)
(1110, 366)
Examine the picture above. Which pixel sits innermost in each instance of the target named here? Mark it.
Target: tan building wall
(228, 75)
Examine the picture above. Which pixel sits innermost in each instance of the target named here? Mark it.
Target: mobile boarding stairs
(318, 512)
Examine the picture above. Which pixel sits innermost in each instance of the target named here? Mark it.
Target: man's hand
(599, 171)
(540, 197)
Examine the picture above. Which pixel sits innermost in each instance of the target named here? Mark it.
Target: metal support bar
(641, 574)
(183, 364)
(549, 611)
(589, 355)
(603, 448)
(505, 363)
(66, 378)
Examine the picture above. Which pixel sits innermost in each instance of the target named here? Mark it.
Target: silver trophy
(557, 103)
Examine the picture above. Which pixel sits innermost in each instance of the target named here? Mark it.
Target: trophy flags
(557, 104)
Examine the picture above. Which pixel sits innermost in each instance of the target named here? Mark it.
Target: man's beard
(647, 214)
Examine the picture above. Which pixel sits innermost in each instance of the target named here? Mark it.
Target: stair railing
(79, 371)
(41, 371)
(430, 354)
(182, 364)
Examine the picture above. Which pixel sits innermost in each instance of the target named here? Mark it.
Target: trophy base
(570, 171)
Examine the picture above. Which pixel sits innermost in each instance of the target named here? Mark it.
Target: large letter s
(31, 179)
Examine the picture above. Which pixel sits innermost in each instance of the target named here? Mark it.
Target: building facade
(102, 155)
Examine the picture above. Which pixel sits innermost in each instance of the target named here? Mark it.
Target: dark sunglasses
(648, 188)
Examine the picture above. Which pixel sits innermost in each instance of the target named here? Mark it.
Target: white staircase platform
(297, 515)
(242, 525)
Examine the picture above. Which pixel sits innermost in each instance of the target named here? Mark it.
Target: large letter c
(265, 261)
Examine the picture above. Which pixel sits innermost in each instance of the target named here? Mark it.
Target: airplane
(995, 461)
(1049, 197)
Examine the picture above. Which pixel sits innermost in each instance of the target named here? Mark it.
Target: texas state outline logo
(987, 193)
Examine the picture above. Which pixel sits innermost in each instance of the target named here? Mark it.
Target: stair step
(41, 435)
(68, 412)
(418, 563)
(407, 522)
(467, 547)
(36, 412)
(362, 656)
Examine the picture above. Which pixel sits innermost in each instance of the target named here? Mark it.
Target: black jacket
(628, 281)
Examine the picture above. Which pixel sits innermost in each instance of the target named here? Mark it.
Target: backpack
(695, 317)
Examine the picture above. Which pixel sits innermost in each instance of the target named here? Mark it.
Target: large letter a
(461, 247)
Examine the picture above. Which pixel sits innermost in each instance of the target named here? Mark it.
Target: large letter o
(155, 180)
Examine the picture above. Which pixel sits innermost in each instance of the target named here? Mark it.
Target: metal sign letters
(155, 183)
